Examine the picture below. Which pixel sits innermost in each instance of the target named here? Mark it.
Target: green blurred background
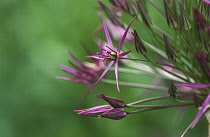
(34, 38)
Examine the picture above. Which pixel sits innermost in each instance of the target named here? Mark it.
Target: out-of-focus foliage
(34, 38)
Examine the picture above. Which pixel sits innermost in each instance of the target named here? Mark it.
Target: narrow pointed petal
(203, 109)
(114, 102)
(74, 80)
(85, 94)
(107, 34)
(75, 59)
(124, 53)
(124, 36)
(193, 85)
(95, 56)
(73, 72)
(102, 75)
(116, 74)
(115, 114)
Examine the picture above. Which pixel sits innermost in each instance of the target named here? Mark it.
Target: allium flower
(183, 61)
(113, 111)
(111, 54)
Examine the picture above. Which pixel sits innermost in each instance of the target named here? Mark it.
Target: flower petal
(74, 80)
(102, 75)
(114, 102)
(124, 53)
(204, 107)
(107, 34)
(193, 85)
(73, 72)
(116, 74)
(124, 36)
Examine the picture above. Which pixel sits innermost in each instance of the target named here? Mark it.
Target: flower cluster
(182, 51)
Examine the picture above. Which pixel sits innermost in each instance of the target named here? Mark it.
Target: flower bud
(199, 20)
(170, 52)
(184, 19)
(172, 90)
(111, 14)
(105, 111)
(139, 45)
(115, 114)
(145, 18)
(131, 8)
(171, 20)
(116, 3)
(203, 59)
(114, 102)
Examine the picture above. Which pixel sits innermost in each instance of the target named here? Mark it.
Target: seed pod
(131, 8)
(116, 3)
(170, 52)
(171, 19)
(115, 19)
(199, 20)
(184, 19)
(139, 45)
(145, 18)
(172, 90)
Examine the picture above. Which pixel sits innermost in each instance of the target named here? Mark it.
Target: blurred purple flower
(113, 111)
(111, 54)
(85, 73)
(117, 32)
(207, 1)
(203, 59)
(193, 85)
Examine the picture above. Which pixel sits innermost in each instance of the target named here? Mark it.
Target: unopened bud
(116, 3)
(139, 45)
(115, 19)
(171, 19)
(131, 8)
(170, 52)
(199, 20)
(184, 20)
(172, 90)
(143, 5)
(145, 18)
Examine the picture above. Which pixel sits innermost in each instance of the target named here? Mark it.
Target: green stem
(166, 106)
(144, 60)
(156, 106)
(147, 100)
(167, 70)
(136, 85)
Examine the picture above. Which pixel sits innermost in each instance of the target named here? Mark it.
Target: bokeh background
(34, 38)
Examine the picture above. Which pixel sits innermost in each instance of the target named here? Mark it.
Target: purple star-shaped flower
(111, 54)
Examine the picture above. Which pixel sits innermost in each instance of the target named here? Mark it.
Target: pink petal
(102, 75)
(202, 110)
(75, 59)
(194, 85)
(124, 53)
(124, 36)
(107, 34)
(116, 74)
(74, 80)
(207, 1)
